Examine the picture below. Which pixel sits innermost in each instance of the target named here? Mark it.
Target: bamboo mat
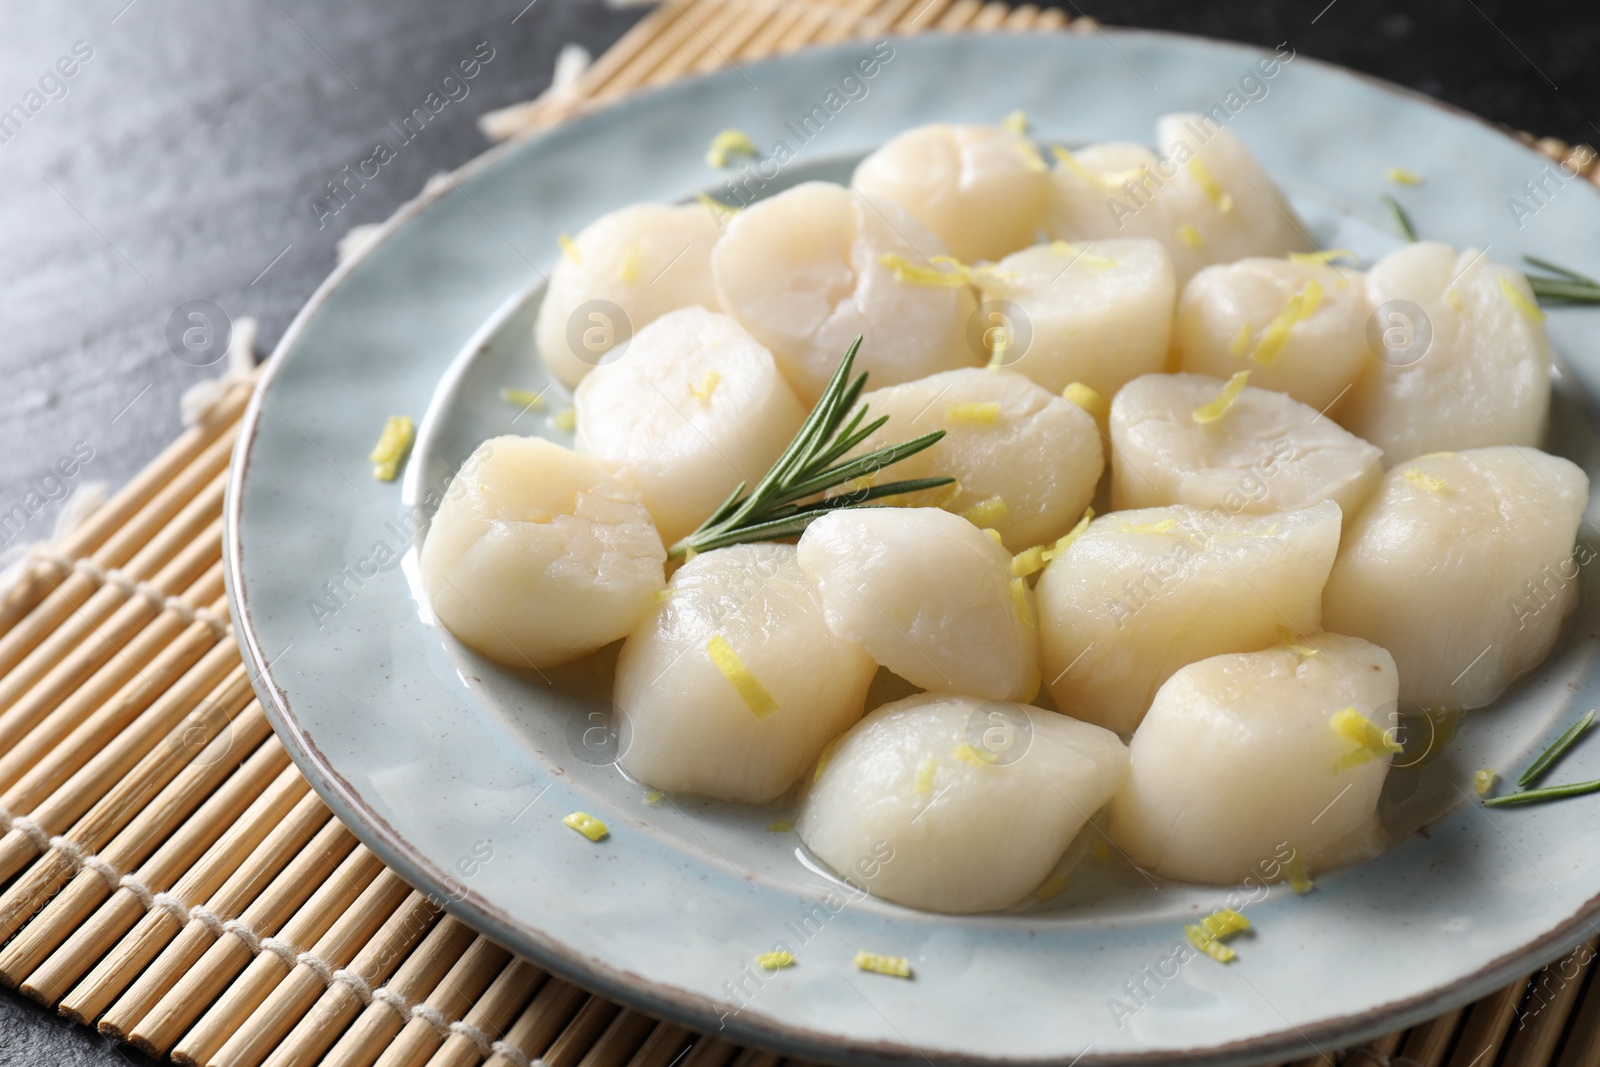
(167, 875)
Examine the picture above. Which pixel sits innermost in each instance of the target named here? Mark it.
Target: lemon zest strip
(1052, 887)
(1019, 601)
(569, 248)
(1528, 309)
(1082, 396)
(1065, 540)
(1164, 526)
(1190, 236)
(587, 825)
(1299, 878)
(703, 391)
(1015, 121)
(910, 273)
(925, 774)
(565, 420)
(1483, 780)
(1031, 157)
(1371, 741)
(1401, 176)
(523, 398)
(972, 756)
(987, 511)
(893, 966)
(394, 444)
(1215, 409)
(1242, 341)
(757, 699)
(1423, 481)
(977, 414)
(775, 961)
(1300, 307)
(727, 144)
(1208, 184)
(1325, 256)
(780, 826)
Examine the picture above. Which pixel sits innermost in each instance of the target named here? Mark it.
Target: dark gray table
(181, 161)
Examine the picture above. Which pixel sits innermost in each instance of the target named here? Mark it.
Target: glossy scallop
(1140, 594)
(1246, 757)
(1099, 313)
(1465, 357)
(622, 272)
(539, 555)
(912, 806)
(1298, 327)
(1463, 566)
(692, 408)
(1266, 452)
(980, 189)
(810, 269)
(1025, 461)
(733, 684)
(929, 596)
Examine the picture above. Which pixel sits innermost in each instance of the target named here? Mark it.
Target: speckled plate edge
(639, 990)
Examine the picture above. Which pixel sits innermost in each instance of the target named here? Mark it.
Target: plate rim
(636, 990)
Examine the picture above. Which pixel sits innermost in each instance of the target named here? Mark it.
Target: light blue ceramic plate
(457, 772)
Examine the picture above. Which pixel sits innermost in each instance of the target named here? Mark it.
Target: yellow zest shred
(718, 209)
(1435, 455)
(925, 774)
(1453, 298)
(780, 826)
(727, 144)
(703, 391)
(1242, 341)
(394, 444)
(1324, 257)
(984, 414)
(1371, 741)
(757, 699)
(1065, 540)
(569, 248)
(664, 595)
(1299, 878)
(994, 535)
(565, 420)
(1100, 850)
(1288, 637)
(1401, 176)
(910, 273)
(1019, 601)
(1215, 409)
(523, 398)
(1015, 121)
(1092, 260)
(1208, 934)
(969, 755)
(1031, 157)
(587, 825)
(1190, 236)
(1426, 482)
(628, 269)
(1028, 561)
(775, 961)
(1030, 692)
(1070, 161)
(1052, 887)
(987, 512)
(1080, 395)
(1483, 780)
(1299, 308)
(1208, 184)
(654, 797)
(893, 966)
(1164, 526)
(1528, 309)
(824, 757)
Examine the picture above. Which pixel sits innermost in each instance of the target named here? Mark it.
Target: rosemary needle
(1550, 755)
(810, 466)
(1534, 796)
(1401, 219)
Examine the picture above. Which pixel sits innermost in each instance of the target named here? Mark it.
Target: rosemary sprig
(1548, 757)
(1567, 287)
(772, 510)
(1535, 796)
(1402, 221)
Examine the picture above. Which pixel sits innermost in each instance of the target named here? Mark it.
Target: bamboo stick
(709, 1051)
(922, 16)
(959, 14)
(111, 812)
(652, 54)
(148, 962)
(752, 15)
(776, 28)
(578, 1037)
(255, 1030)
(845, 23)
(169, 518)
(1427, 1042)
(1053, 18)
(490, 1013)
(380, 1023)
(52, 709)
(551, 1009)
(1485, 1028)
(198, 790)
(990, 17)
(107, 622)
(620, 1043)
(69, 781)
(704, 41)
(1022, 18)
(1582, 1046)
(297, 916)
(129, 507)
(662, 1048)
(1551, 997)
(883, 18)
(458, 994)
(322, 1019)
(93, 939)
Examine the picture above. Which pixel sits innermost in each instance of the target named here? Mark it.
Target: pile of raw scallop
(1209, 526)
